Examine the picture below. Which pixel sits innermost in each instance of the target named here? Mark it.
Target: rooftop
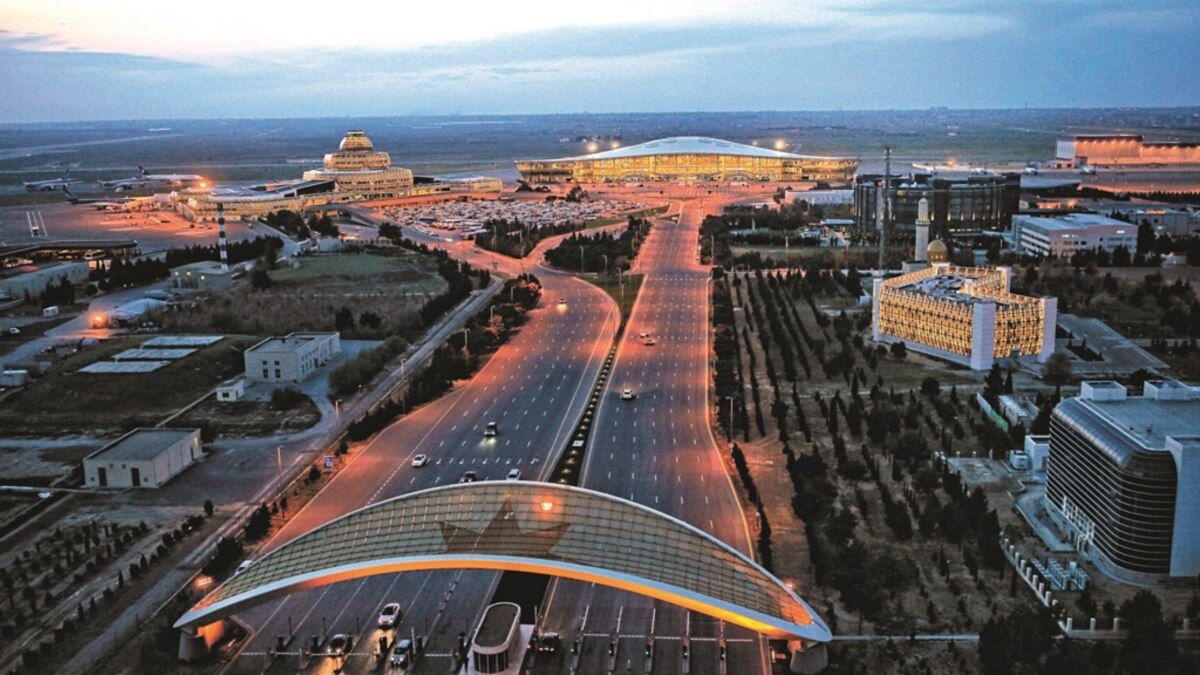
(288, 343)
(687, 145)
(141, 444)
(206, 266)
(497, 624)
(1149, 421)
(1073, 221)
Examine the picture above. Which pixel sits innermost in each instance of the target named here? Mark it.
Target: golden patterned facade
(687, 159)
(963, 314)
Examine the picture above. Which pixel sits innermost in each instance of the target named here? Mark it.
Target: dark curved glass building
(1122, 478)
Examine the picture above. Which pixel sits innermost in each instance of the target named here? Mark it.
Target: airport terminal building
(688, 159)
(964, 315)
(1123, 149)
(1123, 478)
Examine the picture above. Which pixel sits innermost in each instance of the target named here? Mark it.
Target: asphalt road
(535, 387)
(657, 450)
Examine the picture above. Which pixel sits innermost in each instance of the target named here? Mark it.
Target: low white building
(1066, 234)
(231, 390)
(142, 458)
(290, 358)
(205, 275)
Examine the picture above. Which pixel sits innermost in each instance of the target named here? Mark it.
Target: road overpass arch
(530, 527)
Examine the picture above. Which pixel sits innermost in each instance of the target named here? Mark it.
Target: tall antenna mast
(221, 237)
(886, 203)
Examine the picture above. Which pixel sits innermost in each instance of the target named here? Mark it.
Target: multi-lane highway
(657, 450)
(535, 387)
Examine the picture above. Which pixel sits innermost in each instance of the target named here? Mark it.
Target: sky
(69, 60)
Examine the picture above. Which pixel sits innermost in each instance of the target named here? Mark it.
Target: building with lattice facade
(962, 314)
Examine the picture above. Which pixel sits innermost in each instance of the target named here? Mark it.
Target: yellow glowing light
(592, 147)
(547, 505)
(780, 144)
(203, 581)
(614, 145)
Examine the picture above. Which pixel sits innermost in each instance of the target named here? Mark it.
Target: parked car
(513, 474)
(420, 460)
(390, 615)
(469, 477)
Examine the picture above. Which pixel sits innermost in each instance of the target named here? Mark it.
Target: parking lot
(457, 216)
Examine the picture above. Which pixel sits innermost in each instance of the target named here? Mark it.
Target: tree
(930, 387)
(1145, 238)
(1058, 369)
(369, 320)
(260, 279)
(899, 350)
(1150, 646)
(1121, 257)
(1020, 638)
(343, 319)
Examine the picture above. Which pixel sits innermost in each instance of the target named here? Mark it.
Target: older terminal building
(1123, 478)
(962, 314)
(957, 206)
(1062, 235)
(1123, 149)
(688, 158)
(356, 172)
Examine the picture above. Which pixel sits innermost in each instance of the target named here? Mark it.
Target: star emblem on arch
(503, 536)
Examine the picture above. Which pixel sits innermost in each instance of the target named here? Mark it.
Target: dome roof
(937, 246)
(356, 141)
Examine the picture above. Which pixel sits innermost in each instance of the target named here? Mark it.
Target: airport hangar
(688, 158)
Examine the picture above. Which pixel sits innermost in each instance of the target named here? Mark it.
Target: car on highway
(547, 643)
(643, 334)
(562, 301)
(401, 654)
(243, 566)
(649, 342)
(513, 474)
(390, 615)
(338, 645)
(627, 394)
(491, 430)
(469, 477)
(420, 460)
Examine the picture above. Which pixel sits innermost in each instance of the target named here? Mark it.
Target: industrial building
(1123, 478)
(685, 159)
(958, 206)
(291, 358)
(1173, 222)
(962, 314)
(205, 275)
(1064, 234)
(142, 458)
(1123, 149)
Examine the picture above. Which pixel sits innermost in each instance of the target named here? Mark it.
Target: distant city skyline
(66, 60)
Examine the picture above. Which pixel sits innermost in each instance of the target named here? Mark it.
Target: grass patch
(625, 297)
(250, 418)
(66, 401)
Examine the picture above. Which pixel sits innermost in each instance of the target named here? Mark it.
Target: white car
(627, 394)
(649, 342)
(245, 565)
(513, 474)
(390, 615)
(643, 334)
(420, 460)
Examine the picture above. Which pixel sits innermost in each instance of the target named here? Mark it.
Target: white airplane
(142, 179)
(107, 203)
(52, 184)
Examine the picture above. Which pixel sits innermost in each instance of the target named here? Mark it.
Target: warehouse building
(205, 275)
(1123, 478)
(291, 358)
(142, 458)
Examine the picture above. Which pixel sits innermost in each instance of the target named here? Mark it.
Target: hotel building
(1123, 478)
(962, 314)
(685, 159)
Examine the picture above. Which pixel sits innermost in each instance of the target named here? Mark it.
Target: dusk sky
(82, 59)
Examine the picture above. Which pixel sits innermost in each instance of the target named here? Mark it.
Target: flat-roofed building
(962, 314)
(142, 458)
(498, 638)
(1124, 149)
(1123, 478)
(688, 159)
(1173, 222)
(1065, 234)
(204, 275)
(290, 358)
(967, 205)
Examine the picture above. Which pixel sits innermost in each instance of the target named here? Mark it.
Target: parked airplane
(106, 203)
(142, 179)
(52, 184)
